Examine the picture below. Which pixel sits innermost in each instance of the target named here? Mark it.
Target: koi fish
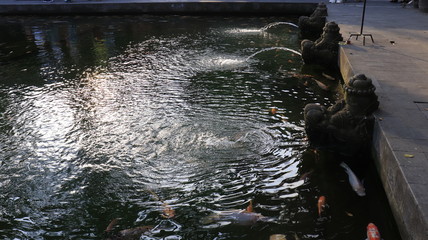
(277, 237)
(354, 181)
(237, 217)
(328, 76)
(112, 224)
(127, 234)
(250, 206)
(321, 85)
(301, 76)
(372, 232)
(306, 175)
(321, 205)
(167, 210)
(244, 217)
(131, 233)
(273, 110)
(317, 155)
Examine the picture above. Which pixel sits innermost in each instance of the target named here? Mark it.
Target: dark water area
(168, 122)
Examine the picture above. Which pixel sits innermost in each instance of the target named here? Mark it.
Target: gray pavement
(397, 62)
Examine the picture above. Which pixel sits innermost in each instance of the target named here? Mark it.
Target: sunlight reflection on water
(120, 118)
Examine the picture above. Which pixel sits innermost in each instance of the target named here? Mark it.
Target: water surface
(120, 116)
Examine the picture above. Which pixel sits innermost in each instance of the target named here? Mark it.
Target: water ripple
(178, 120)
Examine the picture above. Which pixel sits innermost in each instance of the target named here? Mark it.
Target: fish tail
(250, 206)
(112, 224)
(344, 165)
(155, 196)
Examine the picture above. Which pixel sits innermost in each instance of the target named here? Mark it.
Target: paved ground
(398, 64)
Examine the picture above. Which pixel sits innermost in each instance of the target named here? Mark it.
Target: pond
(111, 123)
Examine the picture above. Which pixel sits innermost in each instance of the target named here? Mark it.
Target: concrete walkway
(398, 64)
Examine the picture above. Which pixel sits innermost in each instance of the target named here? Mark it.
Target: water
(263, 29)
(125, 117)
(274, 49)
(274, 24)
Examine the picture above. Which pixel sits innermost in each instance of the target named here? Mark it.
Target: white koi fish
(244, 217)
(235, 217)
(354, 181)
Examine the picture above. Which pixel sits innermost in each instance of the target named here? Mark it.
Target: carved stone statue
(325, 50)
(347, 126)
(311, 27)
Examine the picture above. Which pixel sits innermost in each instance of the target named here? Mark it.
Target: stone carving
(311, 27)
(345, 127)
(325, 50)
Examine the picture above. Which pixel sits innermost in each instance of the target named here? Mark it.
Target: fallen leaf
(409, 155)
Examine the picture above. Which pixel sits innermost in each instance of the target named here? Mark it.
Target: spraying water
(274, 48)
(259, 30)
(270, 25)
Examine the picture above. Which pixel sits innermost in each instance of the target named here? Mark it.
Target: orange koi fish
(321, 205)
(301, 76)
(372, 232)
(167, 211)
(273, 110)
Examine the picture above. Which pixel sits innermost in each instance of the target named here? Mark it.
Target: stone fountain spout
(325, 50)
(311, 27)
(347, 126)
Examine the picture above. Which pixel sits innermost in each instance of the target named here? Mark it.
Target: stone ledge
(402, 186)
(404, 179)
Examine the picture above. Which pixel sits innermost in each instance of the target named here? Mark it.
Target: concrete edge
(408, 215)
(346, 69)
(254, 8)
